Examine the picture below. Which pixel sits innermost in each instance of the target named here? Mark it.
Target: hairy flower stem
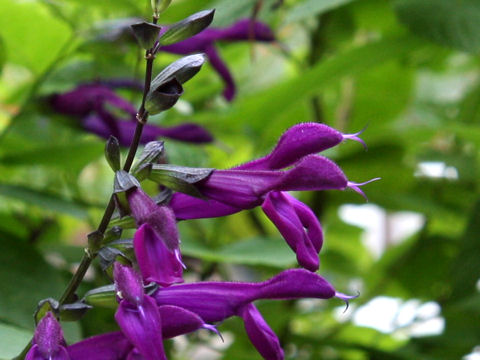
(91, 250)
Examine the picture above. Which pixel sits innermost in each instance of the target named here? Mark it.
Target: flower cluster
(151, 299)
(146, 318)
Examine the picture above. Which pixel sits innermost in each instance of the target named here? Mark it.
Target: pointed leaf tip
(112, 153)
(187, 27)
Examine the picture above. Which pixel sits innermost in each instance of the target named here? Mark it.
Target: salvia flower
(48, 341)
(216, 301)
(157, 263)
(115, 346)
(264, 182)
(137, 314)
(204, 42)
(101, 111)
(156, 242)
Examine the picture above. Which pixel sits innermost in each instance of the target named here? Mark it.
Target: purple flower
(216, 301)
(112, 346)
(298, 225)
(157, 263)
(93, 104)
(115, 346)
(298, 141)
(204, 41)
(48, 342)
(137, 314)
(160, 218)
(260, 334)
(156, 242)
(261, 182)
(294, 145)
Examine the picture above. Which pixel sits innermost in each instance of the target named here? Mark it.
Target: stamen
(179, 258)
(346, 298)
(356, 137)
(356, 186)
(214, 329)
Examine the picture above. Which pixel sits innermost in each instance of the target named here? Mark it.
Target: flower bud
(163, 97)
(128, 283)
(146, 34)
(188, 27)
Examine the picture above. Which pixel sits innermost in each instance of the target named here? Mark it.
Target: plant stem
(90, 252)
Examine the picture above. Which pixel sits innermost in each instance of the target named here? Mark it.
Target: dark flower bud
(179, 178)
(183, 70)
(188, 27)
(151, 153)
(128, 283)
(163, 97)
(112, 153)
(146, 34)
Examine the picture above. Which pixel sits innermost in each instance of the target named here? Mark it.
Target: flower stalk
(91, 249)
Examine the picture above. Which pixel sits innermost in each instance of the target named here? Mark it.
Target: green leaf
(269, 251)
(309, 8)
(47, 201)
(33, 37)
(183, 70)
(151, 153)
(187, 27)
(69, 156)
(24, 275)
(280, 100)
(465, 271)
(12, 340)
(451, 23)
(2, 53)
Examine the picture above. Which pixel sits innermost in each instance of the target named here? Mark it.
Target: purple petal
(187, 207)
(222, 69)
(239, 188)
(279, 208)
(309, 222)
(128, 283)
(156, 262)
(178, 321)
(247, 29)
(296, 284)
(141, 324)
(186, 132)
(160, 218)
(260, 334)
(35, 354)
(295, 143)
(135, 355)
(112, 346)
(49, 339)
(216, 301)
(313, 173)
(82, 100)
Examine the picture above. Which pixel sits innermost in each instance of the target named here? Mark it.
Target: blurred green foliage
(409, 69)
